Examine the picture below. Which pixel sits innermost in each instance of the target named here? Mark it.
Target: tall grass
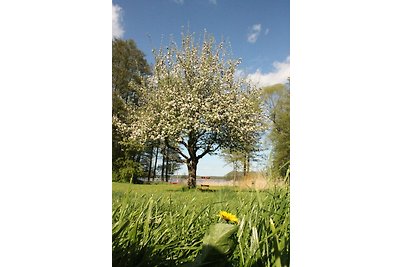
(163, 226)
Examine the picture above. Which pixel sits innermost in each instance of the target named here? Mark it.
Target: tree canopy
(276, 106)
(194, 103)
(128, 66)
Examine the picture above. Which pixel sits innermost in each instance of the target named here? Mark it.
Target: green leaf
(218, 245)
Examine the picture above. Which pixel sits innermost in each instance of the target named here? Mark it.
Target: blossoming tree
(194, 103)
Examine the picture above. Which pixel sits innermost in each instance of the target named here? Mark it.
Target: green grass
(164, 225)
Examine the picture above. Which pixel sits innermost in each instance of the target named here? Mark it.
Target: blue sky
(257, 30)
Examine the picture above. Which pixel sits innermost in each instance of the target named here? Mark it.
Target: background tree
(276, 106)
(234, 158)
(170, 162)
(242, 158)
(128, 66)
(194, 101)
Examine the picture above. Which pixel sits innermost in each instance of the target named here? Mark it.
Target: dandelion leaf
(218, 245)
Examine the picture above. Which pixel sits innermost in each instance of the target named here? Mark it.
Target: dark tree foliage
(128, 65)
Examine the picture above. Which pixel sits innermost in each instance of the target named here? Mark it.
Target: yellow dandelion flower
(229, 217)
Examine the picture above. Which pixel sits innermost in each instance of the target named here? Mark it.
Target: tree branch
(179, 152)
(183, 143)
(209, 149)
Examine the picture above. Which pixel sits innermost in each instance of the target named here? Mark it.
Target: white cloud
(179, 2)
(214, 2)
(266, 31)
(254, 32)
(280, 74)
(117, 30)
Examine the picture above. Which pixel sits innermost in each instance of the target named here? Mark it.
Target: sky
(258, 33)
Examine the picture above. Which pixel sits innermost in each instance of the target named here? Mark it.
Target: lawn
(164, 225)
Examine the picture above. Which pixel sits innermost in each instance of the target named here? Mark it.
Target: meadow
(165, 225)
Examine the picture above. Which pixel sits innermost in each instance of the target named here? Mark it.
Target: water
(199, 181)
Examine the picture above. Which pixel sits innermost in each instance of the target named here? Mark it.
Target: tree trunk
(163, 164)
(167, 164)
(155, 164)
(248, 162)
(150, 164)
(244, 165)
(192, 168)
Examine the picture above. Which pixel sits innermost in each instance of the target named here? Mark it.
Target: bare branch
(179, 151)
(209, 149)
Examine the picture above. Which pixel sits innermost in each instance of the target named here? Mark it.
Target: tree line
(130, 160)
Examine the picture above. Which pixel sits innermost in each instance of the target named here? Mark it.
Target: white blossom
(194, 96)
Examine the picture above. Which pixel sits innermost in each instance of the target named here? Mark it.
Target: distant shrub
(127, 170)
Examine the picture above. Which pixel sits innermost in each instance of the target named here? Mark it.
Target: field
(165, 225)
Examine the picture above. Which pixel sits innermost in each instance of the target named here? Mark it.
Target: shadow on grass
(206, 190)
(129, 256)
(210, 256)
